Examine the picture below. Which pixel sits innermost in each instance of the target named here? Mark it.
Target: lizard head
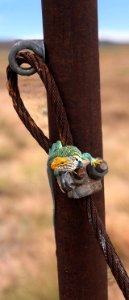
(64, 163)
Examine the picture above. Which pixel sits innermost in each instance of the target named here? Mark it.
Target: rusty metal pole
(71, 41)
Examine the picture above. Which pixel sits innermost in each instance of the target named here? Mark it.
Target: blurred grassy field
(27, 250)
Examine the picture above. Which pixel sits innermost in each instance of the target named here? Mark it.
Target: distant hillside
(106, 43)
(5, 45)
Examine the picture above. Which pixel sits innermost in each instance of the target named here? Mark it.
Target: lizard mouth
(58, 162)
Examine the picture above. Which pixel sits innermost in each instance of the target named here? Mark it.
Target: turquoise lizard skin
(72, 157)
(71, 152)
(58, 150)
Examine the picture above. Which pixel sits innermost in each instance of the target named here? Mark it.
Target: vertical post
(71, 41)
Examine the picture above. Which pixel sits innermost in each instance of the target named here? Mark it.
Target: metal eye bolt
(35, 46)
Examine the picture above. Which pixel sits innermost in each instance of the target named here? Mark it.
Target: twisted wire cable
(65, 135)
(107, 248)
(52, 93)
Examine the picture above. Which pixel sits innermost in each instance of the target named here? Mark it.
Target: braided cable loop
(107, 248)
(54, 97)
(37, 63)
(22, 112)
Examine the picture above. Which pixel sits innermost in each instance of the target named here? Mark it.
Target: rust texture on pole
(71, 42)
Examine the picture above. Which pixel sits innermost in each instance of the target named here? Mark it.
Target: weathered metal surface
(35, 46)
(83, 181)
(71, 42)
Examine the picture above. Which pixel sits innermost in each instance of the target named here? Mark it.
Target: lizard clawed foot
(59, 183)
(96, 161)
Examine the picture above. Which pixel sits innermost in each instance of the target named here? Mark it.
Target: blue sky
(114, 19)
(22, 19)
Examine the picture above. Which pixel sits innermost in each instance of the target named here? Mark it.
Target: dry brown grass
(27, 250)
(115, 108)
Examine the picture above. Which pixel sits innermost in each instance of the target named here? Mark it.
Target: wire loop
(36, 46)
(65, 136)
